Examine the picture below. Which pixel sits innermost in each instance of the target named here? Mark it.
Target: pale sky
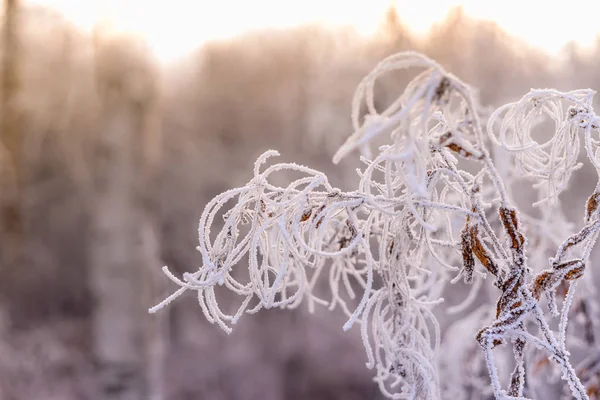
(174, 27)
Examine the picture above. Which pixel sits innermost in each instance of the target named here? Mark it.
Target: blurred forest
(107, 159)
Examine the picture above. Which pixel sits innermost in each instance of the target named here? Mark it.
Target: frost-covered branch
(431, 208)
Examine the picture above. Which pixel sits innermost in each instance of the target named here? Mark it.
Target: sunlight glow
(175, 27)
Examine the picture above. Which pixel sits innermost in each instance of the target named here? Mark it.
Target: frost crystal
(430, 210)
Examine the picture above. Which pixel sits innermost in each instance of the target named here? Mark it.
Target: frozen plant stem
(430, 207)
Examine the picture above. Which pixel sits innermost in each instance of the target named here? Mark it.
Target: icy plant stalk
(430, 209)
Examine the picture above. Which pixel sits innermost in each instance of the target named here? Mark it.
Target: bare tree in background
(128, 345)
(11, 163)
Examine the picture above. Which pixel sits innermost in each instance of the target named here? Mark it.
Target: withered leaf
(480, 252)
(455, 147)
(592, 206)
(511, 226)
(467, 254)
(306, 215)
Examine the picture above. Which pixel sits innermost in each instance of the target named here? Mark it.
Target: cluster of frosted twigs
(433, 208)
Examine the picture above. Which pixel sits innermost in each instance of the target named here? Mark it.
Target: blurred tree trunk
(129, 345)
(12, 251)
(155, 329)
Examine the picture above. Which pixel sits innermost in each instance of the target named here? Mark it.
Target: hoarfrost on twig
(419, 221)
